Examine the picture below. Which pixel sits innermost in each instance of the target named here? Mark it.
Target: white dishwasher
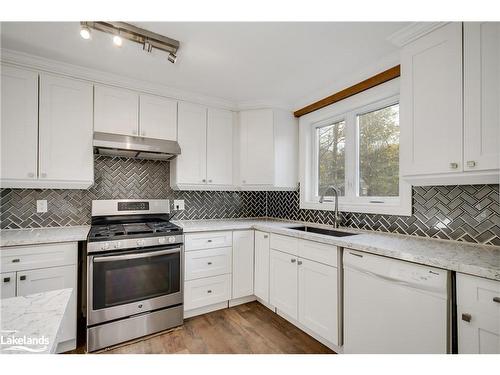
(392, 306)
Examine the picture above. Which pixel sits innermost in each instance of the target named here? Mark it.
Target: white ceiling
(239, 62)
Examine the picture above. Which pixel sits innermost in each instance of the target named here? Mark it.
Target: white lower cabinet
(283, 282)
(35, 269)
(478, 312)
(318, 298)
(261, 266)
(243, 258)
(8, 288)
(207, 291)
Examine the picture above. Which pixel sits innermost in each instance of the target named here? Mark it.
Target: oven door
(133, 282)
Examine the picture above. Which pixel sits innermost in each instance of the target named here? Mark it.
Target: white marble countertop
(31, 324)
(478, 260)
(33, 236)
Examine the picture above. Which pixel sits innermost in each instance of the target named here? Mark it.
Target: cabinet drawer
(478, 294)
(286, 244)
(19, 258)
(8, 287)
(207, 291)
(318, 252)
(209, 240)
(205, 263)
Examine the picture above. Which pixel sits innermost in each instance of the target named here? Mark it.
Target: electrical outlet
(41, 206)
(178, 204)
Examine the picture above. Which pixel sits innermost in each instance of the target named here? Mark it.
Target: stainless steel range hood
(135, 147)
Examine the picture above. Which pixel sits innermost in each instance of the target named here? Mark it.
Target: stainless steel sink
(328, 232)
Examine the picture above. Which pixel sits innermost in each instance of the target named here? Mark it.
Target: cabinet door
(116, 111)
(481, 95)
(8, 287)
(283, 282)
(220, 147)
(65, 134)
(261, 284)
(431, 103)
(243, 255)
(191, 164)
(318, 298)
(157, 117)
(45, 279)
(257, 147)
(19, 124)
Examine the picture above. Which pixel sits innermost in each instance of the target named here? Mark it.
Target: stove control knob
(162, 240)
(171, 239)
(105, 246)
(140, 242)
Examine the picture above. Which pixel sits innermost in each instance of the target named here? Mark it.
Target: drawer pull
(17, 260)
(293, 260)
(299, 262)
(22, 278)
(209, 263)
(209, 240)
(466, 317)
(6, 279)
(356, 255)
(266, 236)
(209, 291)
(496, 299)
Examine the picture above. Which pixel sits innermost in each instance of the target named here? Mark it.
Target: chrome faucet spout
(334, 190)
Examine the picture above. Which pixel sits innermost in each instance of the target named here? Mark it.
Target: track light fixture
(122, 30)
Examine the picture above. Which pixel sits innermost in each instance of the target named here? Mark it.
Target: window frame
(376, 98)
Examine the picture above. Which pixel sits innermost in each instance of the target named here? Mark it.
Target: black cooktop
(115, 231)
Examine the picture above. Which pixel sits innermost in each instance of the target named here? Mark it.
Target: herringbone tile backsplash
(465, 213)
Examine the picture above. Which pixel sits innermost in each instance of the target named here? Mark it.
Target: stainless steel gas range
(134, 271)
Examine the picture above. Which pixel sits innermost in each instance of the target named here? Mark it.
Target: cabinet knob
(266, 236)
(203, 180)
(244, 181)
(209, 263)
(466, 317)
(6, 279)
(209, 240)
(471, 163)
(453, 165)
(31, 174)
(293, 260)
(17, 260)
(209, 291)
(209, 180)
(22, 278)
(299, 262)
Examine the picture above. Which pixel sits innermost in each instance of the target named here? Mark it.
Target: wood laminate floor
(244, 329)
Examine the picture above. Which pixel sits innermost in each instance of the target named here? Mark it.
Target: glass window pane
(331, 157)
(379, 152)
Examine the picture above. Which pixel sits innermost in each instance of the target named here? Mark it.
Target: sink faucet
(335, 191)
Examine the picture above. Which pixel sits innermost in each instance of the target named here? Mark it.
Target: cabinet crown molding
(412, 32)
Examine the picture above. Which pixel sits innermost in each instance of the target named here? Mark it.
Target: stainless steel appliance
(134, 271)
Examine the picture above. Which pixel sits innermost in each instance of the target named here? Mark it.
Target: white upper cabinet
(65, 130)
(190, 167)
(19, 125)
(205, 136)
(481, 95)
(157, 117)
(431, 103)
(116, 110)
(219, 147)
(268, 149)
(444, 139)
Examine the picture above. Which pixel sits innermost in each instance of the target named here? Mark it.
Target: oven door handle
(136, 256)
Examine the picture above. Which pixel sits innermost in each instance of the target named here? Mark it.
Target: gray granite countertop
(31, 324)
(33, 236)
(478, 260)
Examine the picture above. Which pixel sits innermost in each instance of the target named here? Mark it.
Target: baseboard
(265, 304)
(241, 300)
(66, 346)
(205, 309)
(337, 349)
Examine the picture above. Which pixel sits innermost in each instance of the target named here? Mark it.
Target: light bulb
(85, 32)
(117, 40)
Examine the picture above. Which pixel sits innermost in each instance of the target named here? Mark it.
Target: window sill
(367, 208)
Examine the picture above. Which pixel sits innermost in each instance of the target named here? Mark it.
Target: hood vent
(135, 147)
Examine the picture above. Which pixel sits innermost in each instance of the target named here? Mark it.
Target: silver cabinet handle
(6, 279)
(243, 181)
(209, 291)
(209, 180)
(266, 236)
(466, 317)
(22, 278)
(17, 260)
(293, 260)
(471, 163)
(356, 255)
(203, 180)
(31, 174)
(453, 165)
(496, 299)
(299, 262)
(209, 263)
(209, 240)
(108, 258)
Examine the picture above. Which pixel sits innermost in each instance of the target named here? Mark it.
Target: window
(354, 146)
